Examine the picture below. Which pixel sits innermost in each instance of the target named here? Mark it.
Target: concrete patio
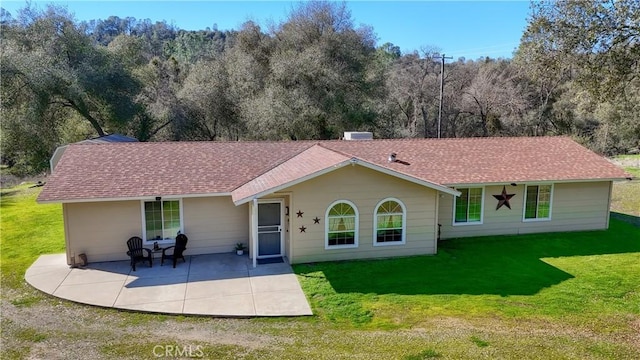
(215, 285)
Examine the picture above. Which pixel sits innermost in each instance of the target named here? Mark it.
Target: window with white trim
(389, 222)
(341, 225)
(537, 202)
(467, 208)
(162, 219)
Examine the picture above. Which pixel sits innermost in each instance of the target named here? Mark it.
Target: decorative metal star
(303, 229)
(316, 220)
(503, 199)
(299, 213)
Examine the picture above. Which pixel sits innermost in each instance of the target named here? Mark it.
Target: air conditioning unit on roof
(358, 135)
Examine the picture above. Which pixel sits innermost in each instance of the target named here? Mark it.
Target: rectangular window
(537, 204)
(389, 228)
(162, 219)
(468, 207)
(342, 231)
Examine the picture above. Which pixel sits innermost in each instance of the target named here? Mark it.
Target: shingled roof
(141, 170)
(312, 162)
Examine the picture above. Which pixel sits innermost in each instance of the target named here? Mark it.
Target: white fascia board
(134, 198)
(522, 182)
(438, 187)
(291, 183)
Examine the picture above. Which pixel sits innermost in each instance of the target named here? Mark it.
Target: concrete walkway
(216, 284)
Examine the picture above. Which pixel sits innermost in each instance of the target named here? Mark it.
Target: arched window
(341, 225)
(389, 222)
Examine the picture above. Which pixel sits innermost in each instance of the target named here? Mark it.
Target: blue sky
(469, 29)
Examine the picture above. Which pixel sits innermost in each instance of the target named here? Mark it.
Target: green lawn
(27, 230)
(586, 278)
(565, 295)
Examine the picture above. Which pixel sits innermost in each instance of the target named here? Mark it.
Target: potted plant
(240, 247)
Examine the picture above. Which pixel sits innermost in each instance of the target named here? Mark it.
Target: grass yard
(587, 279)
(27, 230)
(551, 296)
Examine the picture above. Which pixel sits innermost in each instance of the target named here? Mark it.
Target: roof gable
(312, 162)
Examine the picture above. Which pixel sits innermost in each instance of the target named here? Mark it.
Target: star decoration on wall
(316, 220)
(299, 213)
(503, 199)
(303, 229)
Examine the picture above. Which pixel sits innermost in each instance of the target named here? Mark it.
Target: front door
(270, 236)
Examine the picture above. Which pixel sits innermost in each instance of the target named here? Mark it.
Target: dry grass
(625, 199)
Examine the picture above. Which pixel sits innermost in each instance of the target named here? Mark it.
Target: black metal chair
(137, 253)
(178, 249)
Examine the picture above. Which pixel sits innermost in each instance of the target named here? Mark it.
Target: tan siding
(576, 206)
(214, 224)
(365, 188)
(101, 229)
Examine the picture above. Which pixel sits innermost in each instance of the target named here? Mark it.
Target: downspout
(609, 204)
(437, 220)
(67, 234)
(254, 231)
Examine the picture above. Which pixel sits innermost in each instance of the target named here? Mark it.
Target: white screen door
(270, 237)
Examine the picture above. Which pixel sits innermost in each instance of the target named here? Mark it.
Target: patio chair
(178, 249)
(137, 253)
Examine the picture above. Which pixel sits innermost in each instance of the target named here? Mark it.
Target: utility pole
(441, 87)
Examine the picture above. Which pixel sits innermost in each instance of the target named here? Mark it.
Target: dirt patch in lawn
(56, 329)
(625, 201)
(630, 161)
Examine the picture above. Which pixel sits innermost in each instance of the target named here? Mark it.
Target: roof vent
(392, 157)
(358, 135)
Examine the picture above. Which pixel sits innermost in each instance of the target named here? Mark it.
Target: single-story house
(325, 200)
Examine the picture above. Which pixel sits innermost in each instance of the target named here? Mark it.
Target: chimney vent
(392, 157)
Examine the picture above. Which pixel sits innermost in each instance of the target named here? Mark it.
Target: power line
(443, 58)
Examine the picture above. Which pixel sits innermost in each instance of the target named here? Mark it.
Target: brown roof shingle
(309, 162)
(136, 170)
(487, 160)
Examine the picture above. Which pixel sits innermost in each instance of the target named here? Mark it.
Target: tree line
(312, 76)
